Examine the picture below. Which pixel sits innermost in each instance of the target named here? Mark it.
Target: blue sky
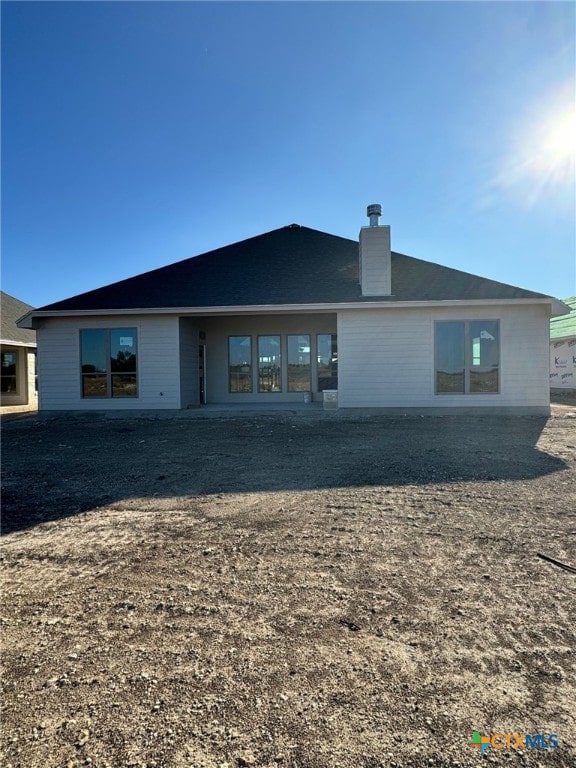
(136, 134)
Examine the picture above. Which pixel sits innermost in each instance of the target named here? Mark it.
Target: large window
(327, 361)
(109, 362)
(8, 370)
(269, 364)
(299, 363)
(240, 363)
(467, 357)
(450, 358)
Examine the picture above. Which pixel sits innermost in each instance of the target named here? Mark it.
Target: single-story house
(18, 355)
(287, 315)
(563, 350)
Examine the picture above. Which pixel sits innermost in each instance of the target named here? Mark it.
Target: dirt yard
(284, 592)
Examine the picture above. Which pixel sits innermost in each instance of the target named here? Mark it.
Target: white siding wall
(189, 375)
(158, 363)
(386, 357)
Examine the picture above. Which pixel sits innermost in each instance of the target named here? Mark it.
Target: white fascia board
(10, 343)
(270, 309)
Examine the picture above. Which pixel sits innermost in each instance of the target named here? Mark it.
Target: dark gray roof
(291, 265)
(12, 309)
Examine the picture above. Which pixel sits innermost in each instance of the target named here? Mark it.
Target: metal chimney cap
(374, 212)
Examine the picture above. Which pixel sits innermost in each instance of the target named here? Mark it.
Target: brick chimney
(375, 256)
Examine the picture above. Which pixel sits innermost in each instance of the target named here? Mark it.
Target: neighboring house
(283, 317)
(563, 349)
(18, 354)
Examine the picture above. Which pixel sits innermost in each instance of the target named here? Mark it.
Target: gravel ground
(285, 592)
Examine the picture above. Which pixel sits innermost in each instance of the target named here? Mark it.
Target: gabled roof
(561, 327)
(291, 265)
(12, 309)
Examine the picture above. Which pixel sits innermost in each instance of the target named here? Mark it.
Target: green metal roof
(566, 324)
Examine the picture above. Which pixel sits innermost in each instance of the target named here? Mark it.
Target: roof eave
(27, 321)
(559, 308)
(564, 337)
(13, 343)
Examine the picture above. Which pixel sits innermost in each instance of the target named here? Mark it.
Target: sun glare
(541, 162)
(551, 151)
(560, 142)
